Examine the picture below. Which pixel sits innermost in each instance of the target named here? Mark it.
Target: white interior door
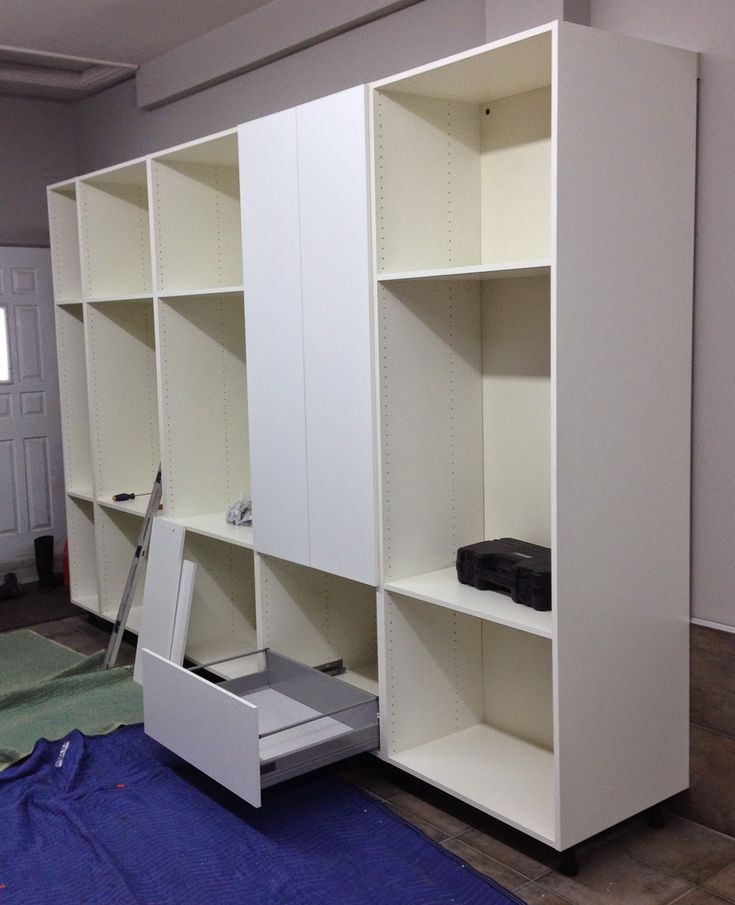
(31, 471)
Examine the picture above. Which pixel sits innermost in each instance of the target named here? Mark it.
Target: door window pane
(4, 347)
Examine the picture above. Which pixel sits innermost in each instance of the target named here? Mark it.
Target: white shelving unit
(447, 323)
(517, 315)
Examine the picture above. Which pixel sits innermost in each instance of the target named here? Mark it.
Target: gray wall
(113, 129)
(37, 146)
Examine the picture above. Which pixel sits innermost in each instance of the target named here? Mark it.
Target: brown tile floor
(84, 636)
(684, 863)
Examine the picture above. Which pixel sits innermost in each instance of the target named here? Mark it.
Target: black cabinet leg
(656, 819)
(568, 862)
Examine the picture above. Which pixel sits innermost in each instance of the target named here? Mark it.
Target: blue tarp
(118, 820)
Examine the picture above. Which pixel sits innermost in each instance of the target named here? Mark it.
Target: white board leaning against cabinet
(467, 314)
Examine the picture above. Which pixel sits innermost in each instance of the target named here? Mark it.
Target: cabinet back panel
(123, 397)
(516, 177)
(117, 535)
(427, 182)
(472, 672)
(518, 699)
(430, 364)
(197, 217)
(116, 244)
(434, 672)
(456, 185)
(516, 403)
(203, 403)
(223, 602)
(316, 617)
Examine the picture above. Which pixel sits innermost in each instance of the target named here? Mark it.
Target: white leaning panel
(273, 328)
(621, 353)
(336, 298)
(161, 591)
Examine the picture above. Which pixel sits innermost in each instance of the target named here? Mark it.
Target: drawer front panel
(209, 727)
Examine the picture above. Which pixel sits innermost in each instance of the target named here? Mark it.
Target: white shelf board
(218, 149)
(90, 602)
(364, 677)
(132, 172)
(506, 270)
(214, 525)
(498, 773)
(215, 290)
(502, 68)
(130, 297)
(443, 589)
(137, 506)
(64, 303)
(80, 494)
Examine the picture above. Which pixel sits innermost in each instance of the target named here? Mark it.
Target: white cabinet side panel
(74, 399)
(626, 153)
(64, 229)
(274, 343)
(335, 270)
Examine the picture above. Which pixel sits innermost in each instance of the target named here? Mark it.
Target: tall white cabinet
(462, 311)
(534, 231)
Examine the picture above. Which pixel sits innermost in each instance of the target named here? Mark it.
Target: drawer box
(275, 720)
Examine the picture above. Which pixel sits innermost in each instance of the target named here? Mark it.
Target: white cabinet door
(335, 285)
(274, 336)
(306, 249)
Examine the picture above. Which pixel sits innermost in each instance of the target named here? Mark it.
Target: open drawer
(275, 720)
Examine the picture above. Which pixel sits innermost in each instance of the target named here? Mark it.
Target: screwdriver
(122, 497)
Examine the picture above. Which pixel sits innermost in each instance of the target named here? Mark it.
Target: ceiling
(92, 31)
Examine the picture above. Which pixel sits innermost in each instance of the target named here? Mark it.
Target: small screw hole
(487, 111)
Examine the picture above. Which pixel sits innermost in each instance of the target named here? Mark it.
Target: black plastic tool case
(507, 564)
